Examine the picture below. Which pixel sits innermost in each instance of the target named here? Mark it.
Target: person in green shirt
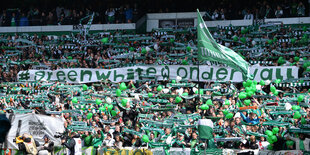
(98, 139)
(87, 137)
(179, 142)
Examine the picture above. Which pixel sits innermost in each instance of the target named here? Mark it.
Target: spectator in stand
(301, 9)
(248, 15)
(128, 14)
(222, 14)
(120, 15)
(23, 21)
(13, 19)
(43, 19)
(50, 19)
(294, 6)
(215, 15)
(279, 12)
(5, 21)
(110, 15)
(268, 12)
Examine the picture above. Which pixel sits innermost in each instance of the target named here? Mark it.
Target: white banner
(35, 125)
(206, 73)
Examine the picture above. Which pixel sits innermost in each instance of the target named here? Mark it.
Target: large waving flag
(209, 50)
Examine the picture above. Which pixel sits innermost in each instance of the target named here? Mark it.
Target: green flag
(209, 50)
(205, 128)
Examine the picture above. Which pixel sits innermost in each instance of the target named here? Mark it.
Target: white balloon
(178, 79)
(227, 44)
(267, 82)
(147, 48)
(253, 42)
(288, 106)
(108, 100)
(156, 46)
(258, 87)
(180, 91)
(195, 89)
(166, 90)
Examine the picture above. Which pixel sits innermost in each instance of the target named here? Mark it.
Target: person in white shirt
(262, 144)
(108, 141)
(248, 15)
(279, 12)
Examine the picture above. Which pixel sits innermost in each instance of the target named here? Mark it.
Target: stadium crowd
(172, 121)
(68, 14)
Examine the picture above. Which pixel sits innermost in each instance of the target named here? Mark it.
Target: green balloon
(143, 51)
(173, 81)
(104, 40)
(262, 82)
(247, 102)
(145, 138)
(275, 39)
(204, 107)
(159, 88)
(268, 133)
(273, 89)
(297, 115)
(113, 113)
(293, 40)
(69, 57)
(229, 116)
(85, 87)
(295, 107)
(277, 81)
(124, 102)
(209, 102)
(185, 94)
(244, 84)
(131, 49)
(188, 48)
(118, 92)
(276, 93)
(89, 115)
(225, 112)
(110, 107)
(243, 40)
(242, 95)
(123, 86)
(300, 98)
(269, 147)
(274, 138)
(106, 106)
(270, 41)
(98, 101)
(243, 31)
(249, 83)
(184, 62)
(150, 94)
(235, 38)
(275, 130)
(101, 108)
(171, 40)
(178, 99)
(250, 94)
(227, 102)
(296, 59)
(74, 100)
